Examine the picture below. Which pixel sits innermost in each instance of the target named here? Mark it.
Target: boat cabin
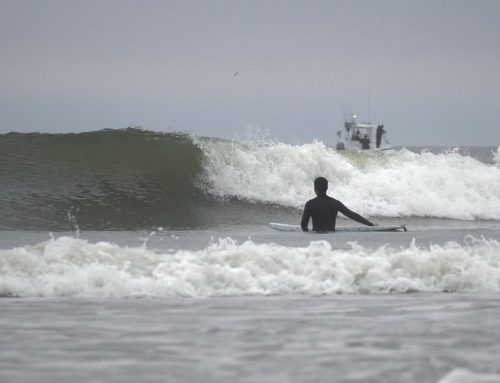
(361, 136)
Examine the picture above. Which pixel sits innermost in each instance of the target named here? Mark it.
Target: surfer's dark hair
(321, 185)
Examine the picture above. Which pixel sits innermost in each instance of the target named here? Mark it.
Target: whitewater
(67, 267)
(393, 183)
(131, 255)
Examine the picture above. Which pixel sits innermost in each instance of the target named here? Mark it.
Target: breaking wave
(69, 266)
(387, 184)
(130, 179)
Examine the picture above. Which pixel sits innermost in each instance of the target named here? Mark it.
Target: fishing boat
(361, 136)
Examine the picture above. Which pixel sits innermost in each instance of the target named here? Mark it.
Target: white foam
(74, 267)
(461, 375)
(390, 184)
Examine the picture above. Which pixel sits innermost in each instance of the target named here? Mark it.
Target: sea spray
(390, 184)
(69, 266)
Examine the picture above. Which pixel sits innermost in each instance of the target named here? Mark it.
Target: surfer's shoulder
(335, 202)
(332, 199)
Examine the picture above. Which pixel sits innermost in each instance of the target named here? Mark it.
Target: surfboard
(360, 229)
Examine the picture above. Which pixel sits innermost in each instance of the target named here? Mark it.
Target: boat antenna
(368, 103)
(343, 111)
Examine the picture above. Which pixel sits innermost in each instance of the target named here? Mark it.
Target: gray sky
(431, 68)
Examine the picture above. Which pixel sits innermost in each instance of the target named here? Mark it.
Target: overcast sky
(428, 70)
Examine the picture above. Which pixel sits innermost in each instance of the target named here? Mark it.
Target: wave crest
(389, 184)
(131, 179)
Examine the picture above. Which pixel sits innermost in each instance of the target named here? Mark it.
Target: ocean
(138, 256)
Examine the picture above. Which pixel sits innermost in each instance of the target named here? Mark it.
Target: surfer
(324, 209)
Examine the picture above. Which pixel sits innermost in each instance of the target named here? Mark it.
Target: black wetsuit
(324, 210)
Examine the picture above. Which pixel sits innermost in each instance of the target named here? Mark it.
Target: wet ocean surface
(394, 338)
(293, 337)
(138, 256)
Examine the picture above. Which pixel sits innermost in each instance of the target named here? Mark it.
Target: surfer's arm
(354, 216)
(305, 218)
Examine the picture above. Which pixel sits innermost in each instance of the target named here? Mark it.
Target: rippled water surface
(395, 338)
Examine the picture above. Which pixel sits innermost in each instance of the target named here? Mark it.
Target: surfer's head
(320, 185)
